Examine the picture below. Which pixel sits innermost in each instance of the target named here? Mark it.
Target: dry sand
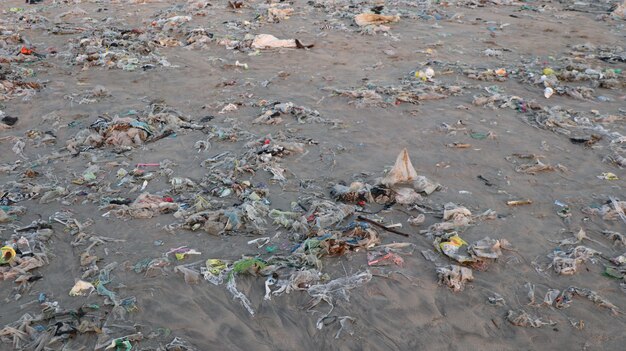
(392, 313)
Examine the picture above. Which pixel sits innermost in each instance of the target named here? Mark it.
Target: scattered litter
(521, 318)
(276, 181)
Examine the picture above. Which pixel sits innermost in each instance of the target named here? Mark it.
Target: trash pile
(319, 229)
(272, 113)
(115, 48)
(156, 122)
(24, 252)
(412, 90)
(325, 228)
(16, 58)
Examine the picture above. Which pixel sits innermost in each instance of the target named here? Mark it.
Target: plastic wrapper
(381, 259)
(451, 247)
(8, 254)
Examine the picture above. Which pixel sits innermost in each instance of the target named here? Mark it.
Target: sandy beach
(204, 168)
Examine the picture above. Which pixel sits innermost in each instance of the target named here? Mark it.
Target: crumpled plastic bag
(487, 248)
(276, 14)
(566, 262)
(287, 219)
(146, 206)
(4, 217)
(424, 185)
(480, 251)
(231, 286)
(402, 171)
(406, 196)
(357, 191)
(454, 216)
(268, 41)
(459, 215)
(620, 11)
(303, 279)
(551, 296)
(521, 318)
(367, 19)
(337, 289)
(454, 276)
(328, 213)
(417, 220)
(82, 288)
(215, 270)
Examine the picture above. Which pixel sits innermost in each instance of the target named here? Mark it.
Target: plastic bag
(367, 19)
(238, 295)
(406, 196)
(191, 276)
(454, 276)
(521, 318)
(82, 288)
(267, 41)
(424, 185)
(487, 248)
(566, 262)
(402, 171)
(337, 289)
